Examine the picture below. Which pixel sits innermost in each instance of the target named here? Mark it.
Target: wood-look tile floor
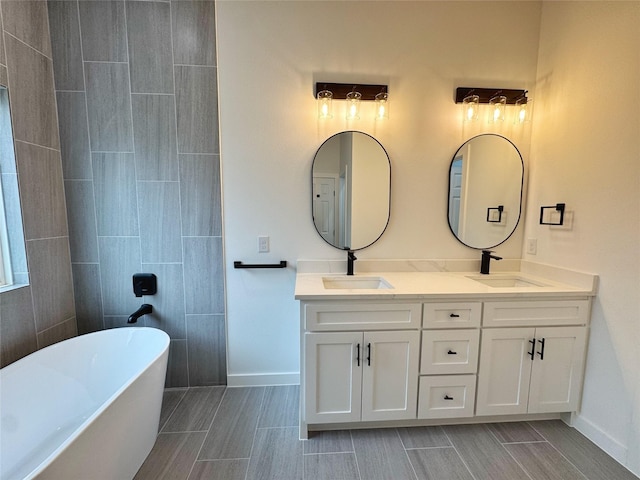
(219, 433)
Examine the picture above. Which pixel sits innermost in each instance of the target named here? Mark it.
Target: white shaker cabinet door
(556, 375)
(390, 375)
(333, 376)
(505, 371)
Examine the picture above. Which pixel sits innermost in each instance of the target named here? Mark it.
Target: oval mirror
(485, 191)
(351, 177)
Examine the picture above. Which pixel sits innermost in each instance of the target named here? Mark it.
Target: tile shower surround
(249, 433)
(137, 107)
(41, 313)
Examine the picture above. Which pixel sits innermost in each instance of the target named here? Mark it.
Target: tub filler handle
(143, 310)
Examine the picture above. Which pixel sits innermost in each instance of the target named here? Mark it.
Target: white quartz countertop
(447, 285)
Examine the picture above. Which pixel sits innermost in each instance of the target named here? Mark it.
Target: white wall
(270, 56)
(586, 152)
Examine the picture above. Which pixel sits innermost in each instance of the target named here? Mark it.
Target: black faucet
(143, 310)
(486, 260)
(351, 257)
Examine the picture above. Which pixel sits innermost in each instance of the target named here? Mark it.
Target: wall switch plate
(263, 244)
(532, 246)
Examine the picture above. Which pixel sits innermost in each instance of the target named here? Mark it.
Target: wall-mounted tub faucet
(486, 261)
(351, 257)
(143, 310)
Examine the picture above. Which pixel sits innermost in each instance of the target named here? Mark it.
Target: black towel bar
(238, 264)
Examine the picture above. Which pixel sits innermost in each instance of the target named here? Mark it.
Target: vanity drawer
(536, 313)
(362, 316)
(446, 396)
(449, 351)
(451, 315)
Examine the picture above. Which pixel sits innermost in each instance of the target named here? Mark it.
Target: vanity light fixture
(497, 99)
(353, 93)
(324, 98)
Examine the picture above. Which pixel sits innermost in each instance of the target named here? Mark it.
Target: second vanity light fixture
(353, 94)
(497, 99)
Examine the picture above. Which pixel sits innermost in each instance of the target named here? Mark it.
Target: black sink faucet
(486, 260)
(351, 257)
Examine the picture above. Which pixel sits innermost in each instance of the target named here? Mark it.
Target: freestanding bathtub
(87, 408)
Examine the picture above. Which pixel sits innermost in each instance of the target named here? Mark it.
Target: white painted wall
(586, 152)
(270, 56)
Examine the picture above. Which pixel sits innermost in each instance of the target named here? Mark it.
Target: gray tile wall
(136, 85)
(43, 312)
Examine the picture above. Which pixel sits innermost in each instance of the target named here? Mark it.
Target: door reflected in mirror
(485, 191)
(351, 177)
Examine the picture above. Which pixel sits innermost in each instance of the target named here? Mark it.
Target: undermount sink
(506, 281)
(356, 282)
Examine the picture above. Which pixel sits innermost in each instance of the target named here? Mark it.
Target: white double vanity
(419, 347)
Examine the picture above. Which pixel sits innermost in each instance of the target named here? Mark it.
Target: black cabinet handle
(358, 355)
(454, 315)
(451, 352)
(541, 352)
(533, 348)
(447, 397)
(369, 354)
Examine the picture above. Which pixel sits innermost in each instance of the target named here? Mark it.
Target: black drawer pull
(541, 352)
(447, 397)
(454, 315)
(451, 352)
(533, 348)
(358, 357)
(368, 354)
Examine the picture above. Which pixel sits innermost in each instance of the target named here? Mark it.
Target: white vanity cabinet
(532, 369)
(352, 374)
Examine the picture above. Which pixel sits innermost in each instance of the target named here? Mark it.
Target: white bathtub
(87, 408)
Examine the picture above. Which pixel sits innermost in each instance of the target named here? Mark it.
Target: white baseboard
(603, 440)
(263, 379)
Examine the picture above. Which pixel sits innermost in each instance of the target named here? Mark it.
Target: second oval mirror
(485, 191)
(351, 176)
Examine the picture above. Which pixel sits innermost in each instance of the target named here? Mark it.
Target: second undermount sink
(355, 282)
(506, 281)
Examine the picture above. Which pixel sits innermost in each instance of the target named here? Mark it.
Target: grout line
(184, 393)
(459, 456)
(353, 446)
(494, 435)
(406, 454)
(558, 450)
(30, 46)
(253, 442)
(429, 448)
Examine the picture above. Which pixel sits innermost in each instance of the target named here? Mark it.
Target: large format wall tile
(115, 193)
(104, 34)
(168, 303)
(206, 347)
(27, 21)
(177, 365)
(109, 106)
(58, 333)
(88, 296)
(83, 238)
(154, 132)
(203, 275)
(17, 325)
(150, 59)
(160, 222)
(33, 102)
(194, 34)
(197, 109)
(119, 260)
(65, 42)
(51, 282)
(200, 196)
(41, 191)
(74, 135)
